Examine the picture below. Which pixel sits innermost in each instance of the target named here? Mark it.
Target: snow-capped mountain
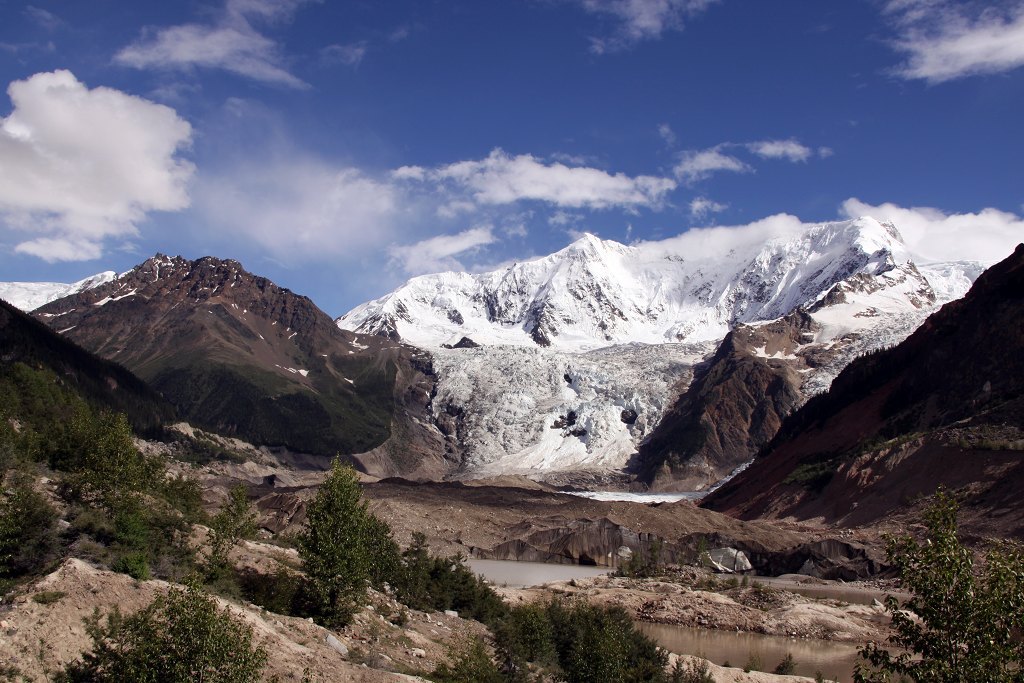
(29, 296)
(577, 356)
(597, 293)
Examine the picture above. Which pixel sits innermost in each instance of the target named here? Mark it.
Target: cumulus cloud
(639, 20)
(504, 179)
(791, 150)
(930, 234)
(300, 209)
(436, 254)
(702, 206)
(699, 164)
(945, 40)
(231, 44)
(84, 166)
(988, 236)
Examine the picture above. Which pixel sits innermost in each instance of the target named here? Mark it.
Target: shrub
(28, 532)
(691, 672)
(180, 636)
(787, 667)
(959, 621)
(473, 664)
(343, 548)
(235, 521)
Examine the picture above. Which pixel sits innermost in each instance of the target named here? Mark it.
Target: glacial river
(834, 660)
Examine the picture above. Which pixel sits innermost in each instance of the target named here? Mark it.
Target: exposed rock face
(239, 355)
(946, 406)
(733, 407)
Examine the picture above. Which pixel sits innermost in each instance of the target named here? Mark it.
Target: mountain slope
(946, 406)
(239, 355)
(594, 332)
(28, 296)
(103, 383)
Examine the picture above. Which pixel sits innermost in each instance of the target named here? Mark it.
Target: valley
(793, 415)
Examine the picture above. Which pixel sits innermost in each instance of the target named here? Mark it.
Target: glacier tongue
(532, 410)
(583, 351)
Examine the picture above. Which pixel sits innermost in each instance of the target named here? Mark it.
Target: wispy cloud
(81, 166)
(350, 54)
(700, 207)
(42, 17)
(436, 254)
(667, 134)
(299, 208)
(232, 44)
(501, 178)
(697, 165)
(639, 20)
(945, 40)
(791, 150)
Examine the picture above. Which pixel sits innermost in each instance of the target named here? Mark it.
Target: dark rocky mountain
(238, 355)
(102, 383)
(733, 407)
(944, 407)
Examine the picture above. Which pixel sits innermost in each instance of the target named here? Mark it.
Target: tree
(343, 547)
(28, 534)
(235, 521)
(180, 637)
(961, 622)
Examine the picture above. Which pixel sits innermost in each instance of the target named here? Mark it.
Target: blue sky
(342, 147)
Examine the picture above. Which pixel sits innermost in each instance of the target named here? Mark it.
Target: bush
(343, 548)
(586, 642)
(787, 667)
(960, 621)
(235, 521)
(28, 531)
(691, 672)
(472, 665)
(181, 636)
(427, 582)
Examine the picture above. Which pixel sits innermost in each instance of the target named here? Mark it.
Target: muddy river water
(834, 660)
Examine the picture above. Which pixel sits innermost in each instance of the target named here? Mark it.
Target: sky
(341, 147)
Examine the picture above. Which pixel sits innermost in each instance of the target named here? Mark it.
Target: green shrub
(343, 547)
(48, 597)
(133, 564)
(471, 665)
(691, 672)
(28, 530)
(181, 636)
(787, 667)
(960, 620)
(235, 521)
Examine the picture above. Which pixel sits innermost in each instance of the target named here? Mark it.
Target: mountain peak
(693, 288)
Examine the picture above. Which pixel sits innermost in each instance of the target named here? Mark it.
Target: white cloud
(82, 166)
(945, 40)
(349, 55)
(503, 179)
(640, 20)
(791, 150)
(301, 209)
(988, 236)
(231, 44)
(436, 254)
(44, 18)
(825, 152)
(564, 218)
(667, 134)
(699, 164)
(702, 206)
